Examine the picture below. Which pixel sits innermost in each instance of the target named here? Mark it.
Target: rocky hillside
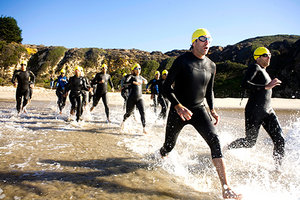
(231, 61)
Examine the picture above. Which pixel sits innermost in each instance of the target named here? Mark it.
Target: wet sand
(48, 158)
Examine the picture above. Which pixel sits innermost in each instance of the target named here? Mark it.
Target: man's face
(164, 76)
(156, 76)
(23, 67)
(264, 60)
(202, 45)
(104, 70)
(77, 72)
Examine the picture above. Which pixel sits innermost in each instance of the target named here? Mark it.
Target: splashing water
(251, 171)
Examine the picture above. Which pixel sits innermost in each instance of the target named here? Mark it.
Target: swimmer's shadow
(97, 177)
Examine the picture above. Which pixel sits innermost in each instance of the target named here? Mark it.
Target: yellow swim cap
(103, 66)
(136, 65)
(164, 72)
(124, 74)
(78, 68)
(23, 62)
(200, 32)
(157, 72)
(63, 71)
(260, 51)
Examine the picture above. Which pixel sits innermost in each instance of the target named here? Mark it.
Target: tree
(9, 30)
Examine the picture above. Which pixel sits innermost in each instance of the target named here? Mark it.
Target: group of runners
(188, 82)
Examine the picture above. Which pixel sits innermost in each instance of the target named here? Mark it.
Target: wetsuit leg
(272, 126)
(26, 97)
(202, 123)
(140, 106)
(155, 102)
(60, 98)
(96, 99)
(18, 99)
(73, 103)
(129, 108)
(79, 100)
(253, 123)
(163, 104)
(173, 128)
(104, 100)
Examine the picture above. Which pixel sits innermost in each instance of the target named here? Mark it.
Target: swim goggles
(204, 39)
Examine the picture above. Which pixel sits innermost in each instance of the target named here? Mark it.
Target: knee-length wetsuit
(258, 112)
(24, 79)
(162, 100)
(101, 90)
(77, 85)
(193, 78)
(135, 98)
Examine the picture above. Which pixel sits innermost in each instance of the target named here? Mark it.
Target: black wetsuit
(125, 89)
(162, 100)
(101, 91)
(77, 85)
(61, 83)
(24, 79)
(135, 98)
(259, 112)
(154, 91)
(193, 78)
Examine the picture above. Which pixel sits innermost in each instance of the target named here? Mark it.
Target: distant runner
(193, 74)
(77, 84)
(258, 111)
(162, 100)
(153, 83)
(61, 83)
(135, 97)
(101, 79)
(25, 82)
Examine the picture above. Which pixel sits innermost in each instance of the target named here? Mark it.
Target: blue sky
(151, 25)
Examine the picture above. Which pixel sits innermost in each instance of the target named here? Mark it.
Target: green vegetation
(267, 40)
(148, 69)
(9, 30)
(228, 79)
(10, 55)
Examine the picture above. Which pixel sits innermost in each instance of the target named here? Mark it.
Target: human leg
(173, 128)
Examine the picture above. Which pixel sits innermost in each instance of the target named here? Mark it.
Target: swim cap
(23, 62)
(78, 68)
(63, 71)
(103, 66)
(260, 51)
(157, 72)
(124, 74)
(164, 72)
(200, 32)
(136, 65)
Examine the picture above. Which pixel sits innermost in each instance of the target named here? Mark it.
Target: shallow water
(44, 157)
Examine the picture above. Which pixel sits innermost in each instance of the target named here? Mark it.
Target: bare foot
(229, 194)
(144, 131)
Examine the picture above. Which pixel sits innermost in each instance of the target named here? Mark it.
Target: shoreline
(7, 93)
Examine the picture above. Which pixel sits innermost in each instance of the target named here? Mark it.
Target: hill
(231, 62)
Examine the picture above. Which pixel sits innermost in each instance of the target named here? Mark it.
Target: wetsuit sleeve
(150, 83)
(86, 85)
(167, 87)
(110, 82)
(209, 90)
(248, 79)
(13, 79)
(93, 82)
(68, 86)
(32, 77)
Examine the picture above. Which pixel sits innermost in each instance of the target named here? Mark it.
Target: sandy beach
(42, 94)
(43, 157)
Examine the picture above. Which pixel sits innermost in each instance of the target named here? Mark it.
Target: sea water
(250, 171)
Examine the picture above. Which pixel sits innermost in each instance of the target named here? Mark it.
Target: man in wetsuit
(101, 79)
(124, 89)
(61, 83)
(77, 84)
(153, 83)
(193, 74)
(162, 100)
(258, 110)
(25, 80)
(135, 96)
